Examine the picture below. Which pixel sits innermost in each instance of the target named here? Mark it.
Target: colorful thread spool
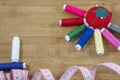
(15, 49)
(111, 38)
(71, 22)
(84, 38)
(98, 42)
(114, 27)
(73, 10)
(75, 33)
(13, 65)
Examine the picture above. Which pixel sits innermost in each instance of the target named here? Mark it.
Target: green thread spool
(75, 33)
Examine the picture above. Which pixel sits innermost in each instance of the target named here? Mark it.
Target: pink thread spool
(74, 10)
(112, 39)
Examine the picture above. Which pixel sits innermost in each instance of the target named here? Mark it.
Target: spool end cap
(78, 47)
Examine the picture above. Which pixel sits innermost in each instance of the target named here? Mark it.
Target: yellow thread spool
(98, 42)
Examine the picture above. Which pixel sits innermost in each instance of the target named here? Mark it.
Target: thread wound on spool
(15, 49)
(98, 42)
(114, 27)
(111, 38)
(73, 10)
(71, 22)
(76, 32)
(85, 37)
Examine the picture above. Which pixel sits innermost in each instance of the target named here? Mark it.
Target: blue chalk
(12, 65)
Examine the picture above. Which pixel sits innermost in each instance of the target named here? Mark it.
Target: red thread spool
(98, 17)
(71, 22)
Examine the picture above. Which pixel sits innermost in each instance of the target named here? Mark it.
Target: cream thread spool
(15, 49)
(98, 42)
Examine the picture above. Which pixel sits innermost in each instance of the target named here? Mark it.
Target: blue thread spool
(13, 65)
(84, 38)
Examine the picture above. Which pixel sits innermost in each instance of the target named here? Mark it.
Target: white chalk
(15, 49)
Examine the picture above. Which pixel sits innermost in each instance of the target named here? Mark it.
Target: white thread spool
(15, 49)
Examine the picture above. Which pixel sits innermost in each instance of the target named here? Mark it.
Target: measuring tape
(88, 74)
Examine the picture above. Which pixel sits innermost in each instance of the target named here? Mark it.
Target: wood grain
(42, 39)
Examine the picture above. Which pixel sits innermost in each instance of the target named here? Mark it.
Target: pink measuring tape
(88, 74)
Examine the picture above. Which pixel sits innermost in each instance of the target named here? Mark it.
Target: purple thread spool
(111, 38)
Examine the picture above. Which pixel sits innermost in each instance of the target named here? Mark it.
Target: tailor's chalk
(12, 65)
(15, 49)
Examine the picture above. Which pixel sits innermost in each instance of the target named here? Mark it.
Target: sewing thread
(114, 27)
(76, 32)
(73, 10)
(111, 38)
(71, 22)
(84, 38)
(98, 42)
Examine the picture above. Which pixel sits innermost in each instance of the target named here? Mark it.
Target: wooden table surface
(43, 45)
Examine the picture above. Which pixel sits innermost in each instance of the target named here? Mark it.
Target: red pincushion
(98, 17)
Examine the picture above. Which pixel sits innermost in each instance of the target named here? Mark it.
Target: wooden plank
(43, 44)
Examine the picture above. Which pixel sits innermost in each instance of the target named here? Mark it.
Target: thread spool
(111, 38)
(75, 33)
(15, 49)
(73, 10)
(71, 22)
(114, 27)
(13, 65)
(98, 42)
(84, 38)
